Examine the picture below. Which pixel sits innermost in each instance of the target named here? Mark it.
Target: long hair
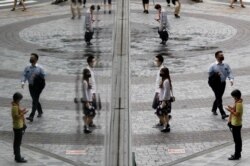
(84, 76)
(165, 76)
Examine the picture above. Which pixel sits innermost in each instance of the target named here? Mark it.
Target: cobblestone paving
(188, 54)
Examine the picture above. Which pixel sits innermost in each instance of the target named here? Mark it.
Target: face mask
(32, 60)
(161, 75)
(221, 58)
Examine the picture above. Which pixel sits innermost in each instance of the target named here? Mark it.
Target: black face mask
(32, 60)
(221, 58)
(161, 75)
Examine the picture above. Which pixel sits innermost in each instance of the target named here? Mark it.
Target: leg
(17, 143)
(231, 4)
(168, 2)
(221, 91)
(22, 2)
(14, 6)
(34, 103)
(78, 10)
(237, 140)
(242, 5)
(72, 11)
(177, 9)
(109, 2)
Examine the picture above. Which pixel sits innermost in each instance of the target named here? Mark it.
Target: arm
(230, 75)
(166, 93)
(85, 96)
(24, 77)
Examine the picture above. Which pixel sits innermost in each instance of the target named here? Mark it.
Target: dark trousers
(35, 95)
(88, 36)
(236, 130)
(18, 134)
(163, 35)
(173, 2)
(218, 90)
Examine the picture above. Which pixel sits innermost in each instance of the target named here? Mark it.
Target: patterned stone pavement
(198, 135)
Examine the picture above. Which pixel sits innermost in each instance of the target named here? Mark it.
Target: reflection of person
(159, 63)
(145, 4)
(18, 126)
(88, 109)
(89, 25)
(164, 96)
(36, 78)
(235, 123)
(76, 5)
(233, 1)
(164, 25)
(21, 2)
(218, 73)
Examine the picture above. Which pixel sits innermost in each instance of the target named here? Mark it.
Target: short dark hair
(90, 59)
(160, 58)
(17, 96)
(236, 93)
(92, 7)
(217, 53)
(157, 6)
(35, 55)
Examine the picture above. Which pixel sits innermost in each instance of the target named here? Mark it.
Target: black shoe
(163, 42)
(146, 11)
(30, 119)
(177, 16)
(224, 116)
(165, 130)
(87, 131)
(89, 44)
(110, 12)
(21, 160)
(39, 115)
(168, 5)
(233, 157)
(214, 112)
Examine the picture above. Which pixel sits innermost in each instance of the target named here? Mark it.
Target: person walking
(35, 75)
(18, 126)
(89, 25)
(76, 5)
(158, 61)
(21, 3)
(235, 123)
(164, 107)
(163, 23)
(218, 73)
(234, 1)
(145, 4)
(88, 109)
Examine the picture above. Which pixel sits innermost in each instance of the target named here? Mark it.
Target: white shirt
(92, 80)
(86, 92)
(165, 91)
(158, 80)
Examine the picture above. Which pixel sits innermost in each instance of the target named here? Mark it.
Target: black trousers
(236, 131)
(88, 36)
(18, 135)
(218, 90)
(35, 95)
(173, 2)
(163, 35)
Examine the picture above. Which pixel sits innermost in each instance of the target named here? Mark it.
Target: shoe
(165, 130)
(146, 12)
(13, 9)
(177, 16)
(233, 157)
(163, 42)
(168, 5)
(214, 112)
(110, 12)
(73, 17)
(30, 119)
(89, 44)
(224, 116)
(21, 160)
(24, 9)
(243, 6)
(39, 115)
(87, 131)
(231, 6)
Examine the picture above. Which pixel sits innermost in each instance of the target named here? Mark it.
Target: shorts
(164, 111)
(88, 112)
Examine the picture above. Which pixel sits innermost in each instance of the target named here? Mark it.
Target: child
(18, 126)
(235, 123)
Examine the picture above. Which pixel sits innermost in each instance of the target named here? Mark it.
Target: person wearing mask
(35, 75)
(218, 72)
(18, 126)
(164, 107)
(163, 23)
(235, 123)
(87, 99)
(89, 25)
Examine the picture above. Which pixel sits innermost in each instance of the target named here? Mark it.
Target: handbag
(172, 98)
(156, 101)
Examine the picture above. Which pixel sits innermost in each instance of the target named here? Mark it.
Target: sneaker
(243, 6)
(177, 16)
(30, 119)
(39, 115)
(224, 116)
(214, 112)
(21, 160)
(166, 130)
(233, 157)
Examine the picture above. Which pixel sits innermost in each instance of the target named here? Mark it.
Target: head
(164, 73)
(219, 56)
(158, 7)
(92, 8)
(86, 74)
(33, 58)
(236, 94)
(158, 60)
(17, 97)
(91, 61)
